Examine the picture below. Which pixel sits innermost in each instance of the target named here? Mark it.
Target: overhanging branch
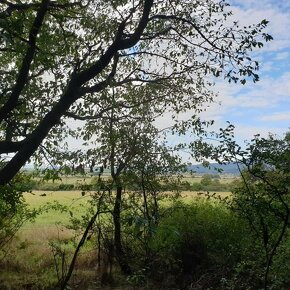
(71, 94)
(26, 63)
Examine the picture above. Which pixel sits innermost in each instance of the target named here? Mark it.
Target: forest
(101, 119)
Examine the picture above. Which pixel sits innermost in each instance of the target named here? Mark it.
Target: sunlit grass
(73, 200)
(189, 195)
(29, 261)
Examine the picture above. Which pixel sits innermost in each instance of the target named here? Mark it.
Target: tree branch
(172, 17)
(104, 83)
(71, 94)
(10, 146)
(26, 6)
(117, 45)
(26, 63)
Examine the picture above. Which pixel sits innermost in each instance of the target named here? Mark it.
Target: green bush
(196, 186)
(201, 239)
(210, 183)
(64, 186)
(46, 186)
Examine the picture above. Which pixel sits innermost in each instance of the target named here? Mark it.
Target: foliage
(68, 60)
(118, 66)
(262, 198)
(231, 256)
(211, 183)
(198, 244)
(14, 212)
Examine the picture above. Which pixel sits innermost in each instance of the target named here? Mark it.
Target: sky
(262, 107)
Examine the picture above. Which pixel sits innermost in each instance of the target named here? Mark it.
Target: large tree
(60, 60)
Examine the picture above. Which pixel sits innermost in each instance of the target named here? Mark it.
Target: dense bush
(202, 245)
(64, 186)
(196, 186)
(199, 243)
(210, 182)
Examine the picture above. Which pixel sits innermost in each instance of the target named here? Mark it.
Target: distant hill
(230, 168)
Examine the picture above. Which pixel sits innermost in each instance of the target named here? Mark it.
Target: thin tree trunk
(122, 260)
(273, 252)
(63, 283)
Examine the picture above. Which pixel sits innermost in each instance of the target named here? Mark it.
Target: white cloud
(267, 93)
(268, 66)
(250, 106)
(280, 4)
(247, 132)
(250, 12)
(276, 117)
(282, 55)
(243, 102)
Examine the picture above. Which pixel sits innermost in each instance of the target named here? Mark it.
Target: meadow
(30, 260)
(73, 200)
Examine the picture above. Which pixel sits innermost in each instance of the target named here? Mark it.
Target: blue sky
(264, 106)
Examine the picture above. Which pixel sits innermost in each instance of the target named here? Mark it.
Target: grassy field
(31, 252)
(72, 199)
(190, 195)
(223, 179)
(33, 260)
(76, 203)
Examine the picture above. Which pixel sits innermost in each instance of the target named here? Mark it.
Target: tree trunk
(121, 257)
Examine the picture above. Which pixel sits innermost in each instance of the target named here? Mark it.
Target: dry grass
(30, 259)
(224, 179)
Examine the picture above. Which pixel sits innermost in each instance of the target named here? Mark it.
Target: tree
(14, 212)
(128, 145)
(59, 60)
(262, 197)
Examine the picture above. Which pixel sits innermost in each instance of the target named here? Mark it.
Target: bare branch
(181, 19)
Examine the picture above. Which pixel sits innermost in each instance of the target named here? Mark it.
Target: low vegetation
(196, 242)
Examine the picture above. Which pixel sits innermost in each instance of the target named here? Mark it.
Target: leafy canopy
(61, 59)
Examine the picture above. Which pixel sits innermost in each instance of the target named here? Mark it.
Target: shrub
(201, 239)
(64, 186)
(196, 186)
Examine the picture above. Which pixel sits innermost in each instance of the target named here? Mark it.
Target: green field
(223, 178)
(72, 199)
(51, 223)
(29, 258)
